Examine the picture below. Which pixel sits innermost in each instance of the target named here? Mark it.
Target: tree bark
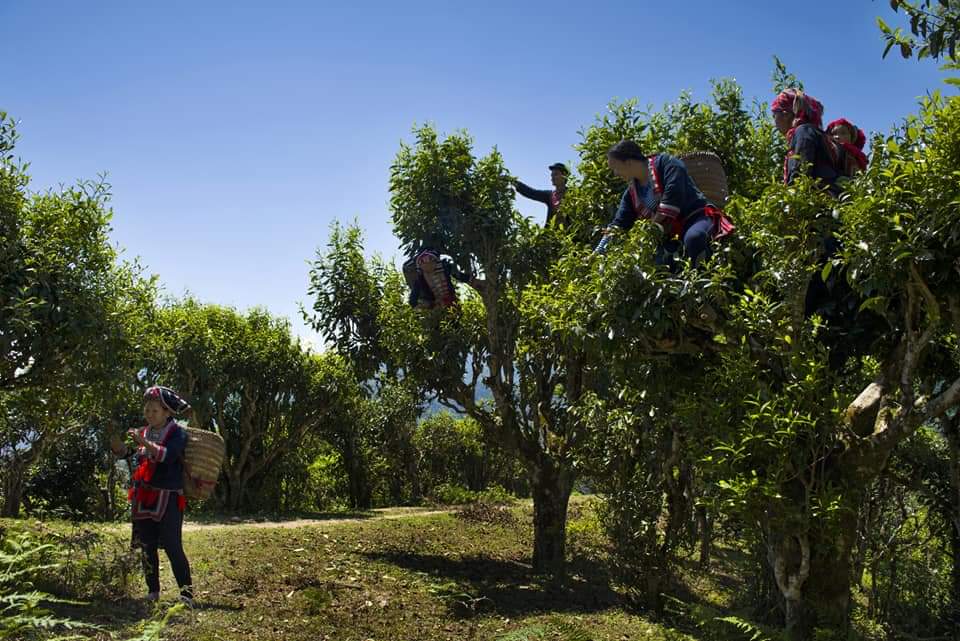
(551, 485)
(813, 571)
(237, 490)
(675, 475)
(413, 474)
(789, 556)
(952, 431)
(12, 492)
(827, 593)
(955, 573)
(705, 532)
(357, 482)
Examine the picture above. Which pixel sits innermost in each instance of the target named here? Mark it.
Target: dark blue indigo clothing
(168, 474)
(679, 195)
(697, 233)
(420, 292)
(672, 199)
(550, 198)
(809, 155)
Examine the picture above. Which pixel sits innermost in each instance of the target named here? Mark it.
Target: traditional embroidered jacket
(809, 155)
(160, 476)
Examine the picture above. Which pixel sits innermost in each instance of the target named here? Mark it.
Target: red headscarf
(806, 109)
(855, 148)
(859, 139)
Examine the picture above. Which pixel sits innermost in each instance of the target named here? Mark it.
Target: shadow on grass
(508, 588)
(117, 616)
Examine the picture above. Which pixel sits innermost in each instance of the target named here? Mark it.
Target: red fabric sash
(722, 225)
(857, 155)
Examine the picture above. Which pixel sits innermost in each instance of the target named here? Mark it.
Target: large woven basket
(707, 172)
(202, 459)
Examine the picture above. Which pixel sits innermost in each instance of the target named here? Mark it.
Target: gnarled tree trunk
(357, 481)
(13, 481)
(551, 485)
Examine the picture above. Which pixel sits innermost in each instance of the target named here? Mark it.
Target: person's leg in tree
(696, 239)
(667, 254)
(412, 278)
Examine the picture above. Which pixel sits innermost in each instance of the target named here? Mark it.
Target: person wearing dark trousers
(550, 197)
(156, 492)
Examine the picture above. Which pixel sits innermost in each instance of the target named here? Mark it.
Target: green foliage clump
(251, 380)
(449, 494)
(21, 605)
(72, 316)
(935, 27)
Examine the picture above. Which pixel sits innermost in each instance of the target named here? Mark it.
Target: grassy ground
(439, 576)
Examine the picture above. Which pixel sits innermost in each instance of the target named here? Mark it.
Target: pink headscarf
(806, 109)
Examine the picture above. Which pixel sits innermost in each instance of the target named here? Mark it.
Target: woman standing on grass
(156, 492)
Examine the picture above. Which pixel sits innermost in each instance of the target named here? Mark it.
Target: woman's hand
(150, 447)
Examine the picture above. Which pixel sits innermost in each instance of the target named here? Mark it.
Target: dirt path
(372, 515)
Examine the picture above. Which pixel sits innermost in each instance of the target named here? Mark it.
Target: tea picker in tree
(852, 139)
(660, 189)
(428, 274)
(551, 198)
(829, 159)
(429, 269)
(799, 117)
(156, 492)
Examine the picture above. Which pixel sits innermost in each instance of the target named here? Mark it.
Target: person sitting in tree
(852, 139)
(816, 154)
(551, 198)
(799, 117)
(660, 189)
(428, 274)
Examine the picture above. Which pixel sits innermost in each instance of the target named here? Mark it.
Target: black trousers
(150, 535)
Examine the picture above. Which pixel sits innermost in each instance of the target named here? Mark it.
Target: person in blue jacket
(659, 189)
(799, 117)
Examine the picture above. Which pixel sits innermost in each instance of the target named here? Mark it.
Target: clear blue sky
(234, 132)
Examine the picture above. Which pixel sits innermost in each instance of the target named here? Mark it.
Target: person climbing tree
(551, 198)
(428, 274)
(660, 189)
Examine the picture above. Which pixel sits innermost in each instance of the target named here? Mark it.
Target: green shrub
(451, 494)
(496, 495)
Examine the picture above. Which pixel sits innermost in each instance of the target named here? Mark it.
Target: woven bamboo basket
(707, 172)
(202, 459)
